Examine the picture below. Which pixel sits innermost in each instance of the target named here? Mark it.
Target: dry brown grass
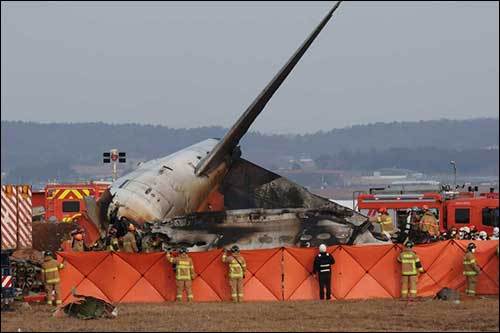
(479, 314)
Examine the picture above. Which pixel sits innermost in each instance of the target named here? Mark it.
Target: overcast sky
(190, 64)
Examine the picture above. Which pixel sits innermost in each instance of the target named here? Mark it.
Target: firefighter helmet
(183, 250)
(409, 244)
(382, 210)
(235, 249)
(425, 207)
(471, 246)
(322, 248)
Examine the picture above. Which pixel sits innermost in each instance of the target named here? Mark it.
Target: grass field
(480, 314)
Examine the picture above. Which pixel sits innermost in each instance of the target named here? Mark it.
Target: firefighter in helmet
(50, 275)
(129, 241)
(429, 223)
(112, 241)
(184, 273)
(385, 221)
(237, 269)
(410, 267)
(77, 244)
(471, 269)
(322, 266)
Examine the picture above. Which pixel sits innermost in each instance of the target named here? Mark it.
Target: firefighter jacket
(78, 245)
(50, 271)
(184, 269)
(113, 244)
(430, 224)
(129, 242)
(323, 263)
(410, 263)
(237, 265)
(470, 264)
(385, 223)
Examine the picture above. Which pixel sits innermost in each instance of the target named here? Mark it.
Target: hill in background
(33, 152)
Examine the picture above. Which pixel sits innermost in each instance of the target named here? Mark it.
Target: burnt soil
(479, 314)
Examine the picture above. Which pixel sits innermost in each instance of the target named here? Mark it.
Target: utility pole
(454, 173)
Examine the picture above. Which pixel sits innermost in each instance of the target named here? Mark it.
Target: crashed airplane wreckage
(168, 196)
(309, 220)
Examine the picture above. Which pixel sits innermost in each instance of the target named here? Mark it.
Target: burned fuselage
(263, 228)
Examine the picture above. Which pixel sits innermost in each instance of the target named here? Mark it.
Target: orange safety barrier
(364, 271)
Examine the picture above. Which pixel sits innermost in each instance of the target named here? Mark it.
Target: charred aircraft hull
(262, 229)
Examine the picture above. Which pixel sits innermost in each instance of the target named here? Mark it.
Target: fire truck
(452, 208)
(64, 202)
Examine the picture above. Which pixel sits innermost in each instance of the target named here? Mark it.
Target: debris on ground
(87, 307)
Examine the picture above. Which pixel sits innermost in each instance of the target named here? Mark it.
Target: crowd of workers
(422, 226)
(185, 273)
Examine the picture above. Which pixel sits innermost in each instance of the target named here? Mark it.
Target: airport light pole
(114, 155)
(454, 173)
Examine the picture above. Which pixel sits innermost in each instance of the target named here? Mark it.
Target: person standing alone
(322, 266)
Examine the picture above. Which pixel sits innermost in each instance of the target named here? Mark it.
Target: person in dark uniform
(322, 267)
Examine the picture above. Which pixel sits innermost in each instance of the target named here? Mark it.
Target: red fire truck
(64, 202)
(452, 208)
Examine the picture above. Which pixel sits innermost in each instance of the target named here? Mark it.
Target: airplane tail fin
(226, 145)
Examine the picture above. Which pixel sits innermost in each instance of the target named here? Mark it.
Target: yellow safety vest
(409, 260)
(470, 267)
(237, 266)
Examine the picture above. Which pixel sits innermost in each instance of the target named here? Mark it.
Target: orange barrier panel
(364, 271)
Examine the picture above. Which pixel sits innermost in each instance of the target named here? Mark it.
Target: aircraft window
(324, 235)
(123, 184)
(462, 215)
(163, 168)
(490, 217)
(70, 206)
(265, 239)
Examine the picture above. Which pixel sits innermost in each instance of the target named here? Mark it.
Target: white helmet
(496, 231)
(322, 248)
(483, 234)
(466, 229)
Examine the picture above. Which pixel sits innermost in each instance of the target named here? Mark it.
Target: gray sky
(190, 64)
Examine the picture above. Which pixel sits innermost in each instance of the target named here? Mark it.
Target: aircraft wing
(226, 145)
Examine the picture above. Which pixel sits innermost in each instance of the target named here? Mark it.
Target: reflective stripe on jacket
(237, 265)
(430, 224)
(184, 269)
(470, 264)
(409, 260)
(385, 223)
(50, 270)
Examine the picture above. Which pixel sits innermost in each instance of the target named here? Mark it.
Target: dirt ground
(480, 314)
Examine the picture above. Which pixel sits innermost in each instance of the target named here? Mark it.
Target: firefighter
(129, 242)
(322, 267)
(184, 273)
(494, 235)
(471, 269)
(112, 241)
(77, 244)
(237, 269)
(151, 244)
(385, 222)
(50, 275)
(429, 223)
(410, 267)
